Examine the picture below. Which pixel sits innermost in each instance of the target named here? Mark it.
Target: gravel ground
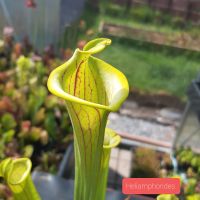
(141, 127)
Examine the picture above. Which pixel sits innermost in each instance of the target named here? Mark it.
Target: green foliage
(146, 18)
(7, 122)
(25, 105)
(195, 162)
(167, 197)
(114, 10)
(193, 197)
(50, 124)
(64, 125)
(145, 163)
(8, 136)
(190, 160)
(39, 116)
(178, 22)
(28, 151)
(153, 69)
(143, 14)
(40, 71)
(36, 99)
(186, 156)
(24, 68)
(51, 102)
(190, 187)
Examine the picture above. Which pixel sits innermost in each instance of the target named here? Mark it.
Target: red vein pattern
(83, 81)
(77, 76)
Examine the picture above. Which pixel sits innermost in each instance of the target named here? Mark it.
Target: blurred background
(155, 43)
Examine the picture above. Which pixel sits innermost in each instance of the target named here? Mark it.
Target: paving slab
(157, 124)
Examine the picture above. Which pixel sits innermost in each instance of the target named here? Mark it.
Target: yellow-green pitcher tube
(16, 173)
(111, 140)
(92, 89)
(89, 127)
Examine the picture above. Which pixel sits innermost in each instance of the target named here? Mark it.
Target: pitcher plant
(111, 140)
(16, 173)
(92, 89)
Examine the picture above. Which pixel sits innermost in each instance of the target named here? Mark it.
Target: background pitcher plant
(16, 173)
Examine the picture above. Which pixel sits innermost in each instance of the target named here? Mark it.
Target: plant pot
(52, 187)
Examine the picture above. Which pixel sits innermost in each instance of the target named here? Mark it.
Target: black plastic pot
(52, 187)
(61, 186)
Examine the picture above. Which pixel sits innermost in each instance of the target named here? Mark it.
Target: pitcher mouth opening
(55, 82)
(56, 88)
(111, 139)
(12, 178)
